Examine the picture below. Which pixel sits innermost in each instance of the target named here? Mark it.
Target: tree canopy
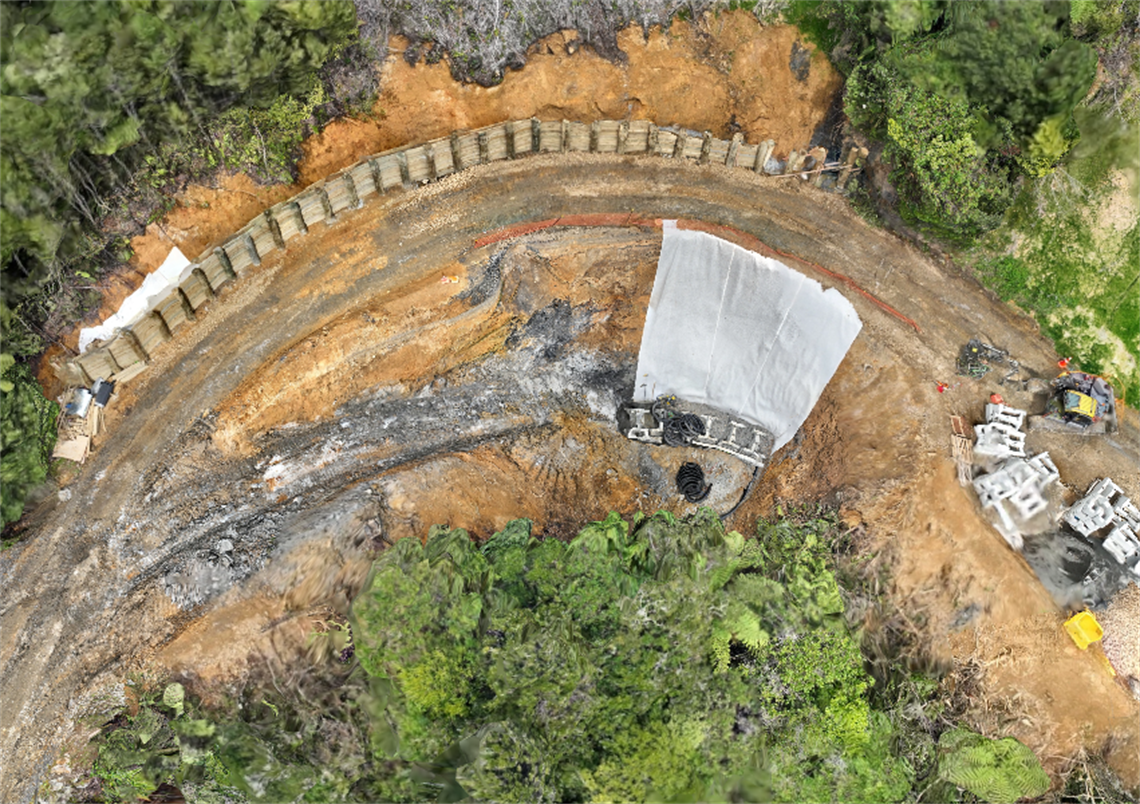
(669, 660)
(87, 89)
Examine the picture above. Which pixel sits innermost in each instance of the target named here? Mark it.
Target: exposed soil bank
(726, 74)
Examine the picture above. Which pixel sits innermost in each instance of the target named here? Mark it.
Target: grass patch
(1064, 257)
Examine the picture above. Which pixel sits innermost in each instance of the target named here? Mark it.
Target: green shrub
(27, 436)
(998, 771)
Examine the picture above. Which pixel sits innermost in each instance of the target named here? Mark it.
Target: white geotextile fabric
(730, 328)
(173, 271)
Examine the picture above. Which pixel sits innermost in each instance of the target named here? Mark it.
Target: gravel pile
(1121, 624)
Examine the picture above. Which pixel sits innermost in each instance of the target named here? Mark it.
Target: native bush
(658, 659)
(27, 436)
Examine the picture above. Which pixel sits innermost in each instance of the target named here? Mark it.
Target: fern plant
(997, 771)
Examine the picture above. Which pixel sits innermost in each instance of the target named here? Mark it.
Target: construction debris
(977, 358)
(1016, 493)
(963, 449)
(1106, 512)
(1001, 436)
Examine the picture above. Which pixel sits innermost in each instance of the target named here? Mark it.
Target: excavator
(1081, 401)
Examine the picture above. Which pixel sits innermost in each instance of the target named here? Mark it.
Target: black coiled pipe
(691, 483)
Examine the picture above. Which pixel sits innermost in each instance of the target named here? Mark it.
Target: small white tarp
(173, 271)
(730, 328)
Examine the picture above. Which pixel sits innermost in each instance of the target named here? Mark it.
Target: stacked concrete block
(520, 137)
(342, 194)
(1094, 512)
(1003, 414)
(196, 289)
(716, 152)
(238, 251)
(1122, 544)
(494, 143)
(418, 165)
(125, 350)
(97, 364)
(1016, 493)
(363, 180)
(665, 145)
(151, 332)
(216, 271)
(637, 137)
(998, 441)
(174, 311)
(387, 172)
(264, 238)
(290, 222)
(465, 150)
(689, 147)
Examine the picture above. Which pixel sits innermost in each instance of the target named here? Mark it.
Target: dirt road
(346, 392)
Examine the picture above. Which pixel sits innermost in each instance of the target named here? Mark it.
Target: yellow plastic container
(1084, 629)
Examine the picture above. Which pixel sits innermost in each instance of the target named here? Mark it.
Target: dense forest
(651, 660)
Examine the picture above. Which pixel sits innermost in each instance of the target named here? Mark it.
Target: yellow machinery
(1084, 629)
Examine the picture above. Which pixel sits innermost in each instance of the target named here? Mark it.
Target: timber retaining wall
(402, 168)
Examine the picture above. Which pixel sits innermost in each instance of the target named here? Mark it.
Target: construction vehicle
(1079, 402)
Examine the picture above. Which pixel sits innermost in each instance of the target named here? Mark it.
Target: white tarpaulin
(730, 328)
(173, 271)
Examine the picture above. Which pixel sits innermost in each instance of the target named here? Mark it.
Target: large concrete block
(342, 195)
(495, 142)
(196, 289)
(521, 133)
(173, 311)
(387, 167)
(151, 331)
(98, 363)
(465, 150)
(125, 351)
(637, 137)
(666, 144)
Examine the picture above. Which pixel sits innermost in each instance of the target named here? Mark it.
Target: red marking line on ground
(742, 238)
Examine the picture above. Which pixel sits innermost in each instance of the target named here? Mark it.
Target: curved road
(71, 593)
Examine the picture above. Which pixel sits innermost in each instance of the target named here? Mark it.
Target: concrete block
(312, 206)
(419, 166)
(342, 195)
(1003, 414)
(1122, 545)
(637, 137)
(465, 150)
(151, 331)
(173, 311)
(495, 138)
(717, 153)
(261, 233)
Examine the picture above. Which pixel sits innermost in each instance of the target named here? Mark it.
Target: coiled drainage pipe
(691, 482)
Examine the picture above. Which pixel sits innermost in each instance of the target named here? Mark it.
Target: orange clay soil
(727, 74)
